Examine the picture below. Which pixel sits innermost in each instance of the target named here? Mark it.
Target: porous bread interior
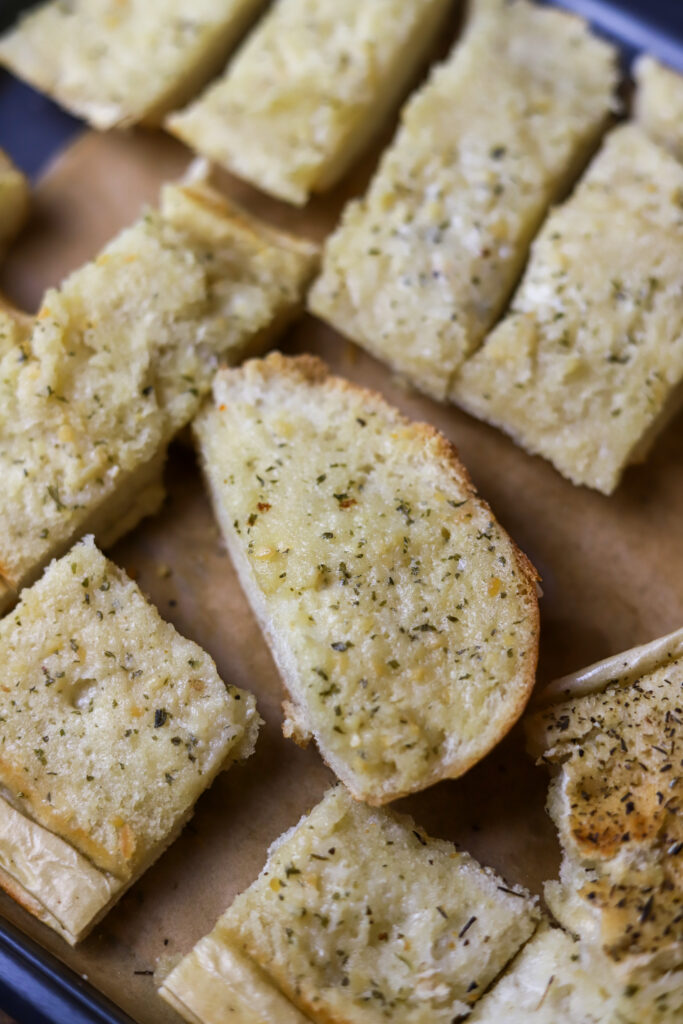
(658, 103)
(587, 367)
(421, 267)
(308, 89)
(550, 981)
(118, 361)
(402, 617)
(615, 798)
(116, 63)
(113, 723)
(359, 917)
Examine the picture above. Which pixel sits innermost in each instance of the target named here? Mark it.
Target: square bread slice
(658, 104)
(14, 199)
(616, 798)
(112, 727)
(308, 89)
(549, 983)
(403, 619)
(586, 368)
(114, 63)
(119, 360)
(421, 268)
(358, 917)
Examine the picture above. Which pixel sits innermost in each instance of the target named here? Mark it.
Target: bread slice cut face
(358, 917)
(403, 619)
(658, 103)
(115, 63)
(587, 367)
(422, 266)
(616, 798)
(117, 362)
(552, 981)
(113, 726)
(308, 89)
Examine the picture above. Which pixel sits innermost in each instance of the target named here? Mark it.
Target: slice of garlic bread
(119, 360)
(586, 368)
(616, 798)
(14, 199)
(403, 619)
(308, 89)
(114, 63)
(658, 103)
(550, 983)
(113, 725)
(359, 917)
(420, 269)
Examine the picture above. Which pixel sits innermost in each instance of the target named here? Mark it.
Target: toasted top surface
(616, 801)
(659, 103)
(402, 615)
(420, 268)
(113, 724)
(122, 353)
(357, 916)
(14, 196)
(297, 90)
(548, 983)
(582, 367)
(114, 61)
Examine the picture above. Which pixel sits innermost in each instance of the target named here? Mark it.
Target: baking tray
(611, 570)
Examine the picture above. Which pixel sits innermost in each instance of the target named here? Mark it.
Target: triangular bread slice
(421, 267)
(550, 982)
(119, 360)
(617, 800)
(308, 89)
(112, 727)
(115, 63)
(403, 619)
(359, 917)
(658, 103)
(587, 367)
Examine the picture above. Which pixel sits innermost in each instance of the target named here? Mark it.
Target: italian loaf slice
(357, 917)
(403, 619)
(116, 63)
(615, 746)
(113, 726)
(658, 103)
(118, 361)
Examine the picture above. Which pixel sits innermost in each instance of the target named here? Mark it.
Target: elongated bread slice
(113, 725)
(658, 105)
(550, 983)
(308, 89)
(616, 798)
(403, 619)
(586, 368)
(119, 360)
(114, 63)
(420, 269)
(359, 917)
(14, 199)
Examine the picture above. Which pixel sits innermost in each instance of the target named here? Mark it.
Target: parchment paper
(611, 568)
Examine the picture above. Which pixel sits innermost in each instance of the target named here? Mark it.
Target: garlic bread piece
(308, 89)
(421, 267)
(114, 63)
(113, 726)
(14, 199)
(118, 361)
(586, 367)
(658, 103)
(359, 917)
(552, 982)
(403, 619)
(616, 799)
